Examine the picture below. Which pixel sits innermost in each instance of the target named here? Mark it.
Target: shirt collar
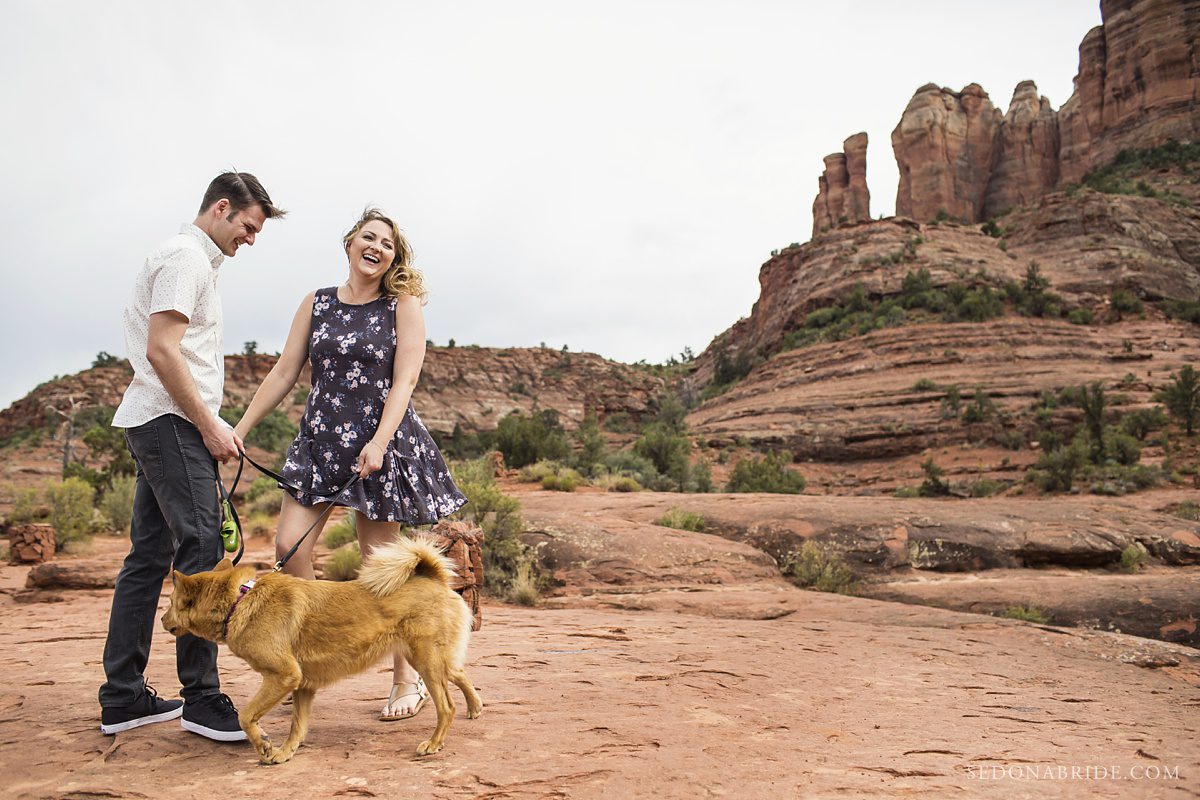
(215, 256)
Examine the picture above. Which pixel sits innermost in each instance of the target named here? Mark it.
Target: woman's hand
(369, 459)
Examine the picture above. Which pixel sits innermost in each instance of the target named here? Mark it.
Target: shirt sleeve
(179, 282)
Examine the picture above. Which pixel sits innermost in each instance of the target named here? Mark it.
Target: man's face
(231, 231)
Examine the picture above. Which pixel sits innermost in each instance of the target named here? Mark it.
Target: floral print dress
(351, 350)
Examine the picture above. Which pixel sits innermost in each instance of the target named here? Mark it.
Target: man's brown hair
(242, 190)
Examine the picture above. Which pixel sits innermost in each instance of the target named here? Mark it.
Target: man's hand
(221, 441)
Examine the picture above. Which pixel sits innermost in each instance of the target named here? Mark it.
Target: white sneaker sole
(213, 733)
(109, 730)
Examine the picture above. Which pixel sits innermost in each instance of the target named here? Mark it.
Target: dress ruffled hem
(403, 489)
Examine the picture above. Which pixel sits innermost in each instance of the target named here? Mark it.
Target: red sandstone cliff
(843, 196)
(1137, 87)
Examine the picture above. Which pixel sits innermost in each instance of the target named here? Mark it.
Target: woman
(365, 342)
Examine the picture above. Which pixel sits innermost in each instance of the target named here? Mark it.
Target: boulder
(30, 543)
(74, 574)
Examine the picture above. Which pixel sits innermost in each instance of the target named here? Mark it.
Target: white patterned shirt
(179, 275)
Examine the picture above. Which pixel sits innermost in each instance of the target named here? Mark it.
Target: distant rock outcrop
(944, 145)
(843, 196)
(1137, 87)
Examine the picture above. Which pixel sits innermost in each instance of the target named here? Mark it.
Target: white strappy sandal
(416, 687)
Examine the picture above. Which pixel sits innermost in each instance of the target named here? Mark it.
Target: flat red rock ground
(840, 696)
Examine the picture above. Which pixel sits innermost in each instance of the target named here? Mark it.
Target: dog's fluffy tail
(389, 566)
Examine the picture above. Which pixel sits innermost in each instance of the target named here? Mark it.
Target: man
(173, 334)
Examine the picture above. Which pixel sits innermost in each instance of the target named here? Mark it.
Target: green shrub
(1080, 316)
(344, 563)
(768, 474)
(117, 503)
(341, 533)
(681, 520)
(590, 446)
(1121, 447)
(524, 588)
(924, 385)
(1124, 301)
(1116, 479)
(1133, 557)
(1027, 613)
(534, 473)
(986, 487)
(1055, 470)
(70, 510)
(1140, 423)
(981, 408)
(814, 567)
(620, 422)
(261, 487)
(566, 481)
(273, 434)
(612, 482)
(27, 506)
(933, 485)
(667, 450)
(1182, 398)
(1187, 510)
(951, 401)
(499, 515)
(525, 440)
(1186, 310)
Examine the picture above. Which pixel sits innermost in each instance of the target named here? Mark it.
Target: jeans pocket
(144, 446)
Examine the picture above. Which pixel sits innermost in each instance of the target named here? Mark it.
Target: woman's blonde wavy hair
(401, 277)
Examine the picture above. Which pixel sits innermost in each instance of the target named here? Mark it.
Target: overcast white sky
(608, 176)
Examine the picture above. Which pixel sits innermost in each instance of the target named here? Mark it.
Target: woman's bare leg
(371, 534)
(294, 520)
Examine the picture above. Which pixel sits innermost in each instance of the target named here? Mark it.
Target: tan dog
(300, 635)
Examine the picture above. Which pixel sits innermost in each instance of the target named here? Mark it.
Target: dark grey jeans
(176, 518)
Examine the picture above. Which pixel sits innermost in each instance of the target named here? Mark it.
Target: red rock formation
(1026, 164)
(1137, 87)
(944, 147)
(843, 196)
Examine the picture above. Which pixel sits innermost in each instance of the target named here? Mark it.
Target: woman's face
(371, 250)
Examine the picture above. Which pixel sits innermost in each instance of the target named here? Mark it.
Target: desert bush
(1121, 447)
(70, 505)
(1182, 398)
(528, 439)
(568, 480)
(924, 385)
(524, 588)
(1124, 301)
(952, 401)
(273, 434)
(1133, 557)
(980, 409)
(932, 485)
(534, 473)
(1117, 479)
(668, 451)
(1186, 310)
(611, 482)
(341, 532)
(260, 487)
(1027, 613)
(681, 520)
(499, 515)
(590, 446)
(117, 503)
(815, 567)
(27, 506)
(1187, 510)
(344, 563)
(1080, 316)
(259, 524)
(1056, 469)
(620, 422)
(631, 465)
(986, 487)
(1143, 421)
(767, 474)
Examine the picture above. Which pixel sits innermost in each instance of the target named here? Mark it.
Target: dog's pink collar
(242, 590)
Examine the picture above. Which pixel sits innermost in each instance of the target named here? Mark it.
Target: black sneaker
(147, 709)
(213, 716)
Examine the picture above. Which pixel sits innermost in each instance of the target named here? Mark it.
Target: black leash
(231, 512)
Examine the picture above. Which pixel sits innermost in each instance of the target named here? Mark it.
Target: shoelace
(150, 691)
(221, 703)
